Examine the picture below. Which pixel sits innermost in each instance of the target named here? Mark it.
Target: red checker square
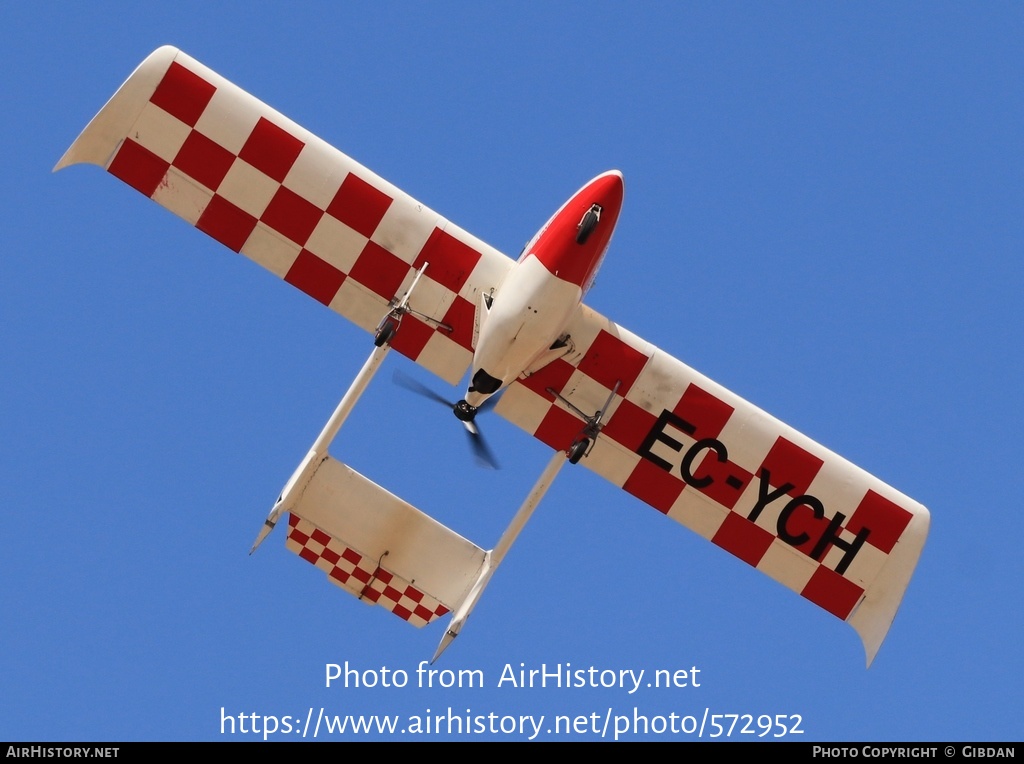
(363, 576)
(317, 278)
(450, 260)
(743, 538)
(653, 485)
(298, 536)
(226, 223)
(629, 425)
(359, 205)
(829, 590)
(320, 537)
(554, 375)
(183, 94)
(309, 556)
(558, 428)
(728, 480)
(423, 613)
(884, 520)
(293, 520)
(379, 270)
(367, 593)
(788, 463)
(460, 316)
(402, 612)
(352, 556)
(414, 594)
(271, 149)
(382, 575)
(391, 593)
(441, 610)
(139, 167)
(290, 214)
(704, 411)
(330, 555)
(204, 160)
(340, 575)
(412, 337)
(609, 360)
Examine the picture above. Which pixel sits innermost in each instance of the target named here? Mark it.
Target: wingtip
(100, 138)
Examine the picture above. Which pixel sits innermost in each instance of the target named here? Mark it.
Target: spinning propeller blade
(404, 380)
(481, 452)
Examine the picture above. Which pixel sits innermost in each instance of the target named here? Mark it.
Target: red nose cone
(572, 245)
(609, 189)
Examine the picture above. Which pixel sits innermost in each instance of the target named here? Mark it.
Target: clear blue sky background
(823, 212)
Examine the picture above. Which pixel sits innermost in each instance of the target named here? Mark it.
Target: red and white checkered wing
(724, 468)
(265, 187)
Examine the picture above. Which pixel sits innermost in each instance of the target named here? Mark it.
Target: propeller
(483, 454)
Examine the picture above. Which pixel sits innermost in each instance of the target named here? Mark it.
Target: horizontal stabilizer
(379, 547)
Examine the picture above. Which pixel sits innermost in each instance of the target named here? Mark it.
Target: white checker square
(334, 242)
(405, 228)
(182, 195)
(248, 188)
(611, 461)
(359, 305)
(757, 434)
(344, 564)
(445, 358)
(733, 435)
(587, 394)
(318, 172)
(230, 117)
(698, 513)
(833, 486)
(271, 250)
(659, 385)
(523, 407)
(429, 298)
(159, 132)
(787, 565)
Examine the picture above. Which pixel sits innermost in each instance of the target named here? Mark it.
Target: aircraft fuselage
(531, 309)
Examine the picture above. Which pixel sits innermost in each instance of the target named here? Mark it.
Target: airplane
(591, 390)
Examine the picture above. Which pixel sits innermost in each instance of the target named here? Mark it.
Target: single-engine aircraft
(594, 392)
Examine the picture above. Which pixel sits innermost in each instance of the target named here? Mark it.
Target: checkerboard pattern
(359, 575)
(262, 186)
(717, 508)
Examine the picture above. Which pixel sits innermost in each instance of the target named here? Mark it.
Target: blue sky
(823, 213)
